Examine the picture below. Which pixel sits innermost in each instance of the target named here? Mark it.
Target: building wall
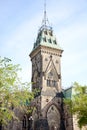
(17, 124)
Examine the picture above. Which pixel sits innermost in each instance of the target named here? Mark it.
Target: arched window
(51, 83)
(54, 114)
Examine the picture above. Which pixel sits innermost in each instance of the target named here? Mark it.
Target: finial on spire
(45, 22)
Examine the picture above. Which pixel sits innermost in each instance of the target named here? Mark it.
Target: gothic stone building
(50, 112)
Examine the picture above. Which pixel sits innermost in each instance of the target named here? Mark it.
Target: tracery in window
(51, 83)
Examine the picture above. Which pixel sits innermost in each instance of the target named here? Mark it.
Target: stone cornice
(48, 50)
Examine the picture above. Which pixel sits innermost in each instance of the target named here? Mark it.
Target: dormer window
(45, 32)
(44, 39)
(50, 33)
(54, 42)
(49, 40)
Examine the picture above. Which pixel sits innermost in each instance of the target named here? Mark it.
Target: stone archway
(53, 117)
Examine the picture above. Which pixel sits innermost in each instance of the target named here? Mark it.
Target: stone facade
(50, 112)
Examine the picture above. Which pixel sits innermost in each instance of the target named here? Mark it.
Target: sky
(19, 24)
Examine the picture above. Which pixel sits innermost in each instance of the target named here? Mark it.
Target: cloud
(69, 20)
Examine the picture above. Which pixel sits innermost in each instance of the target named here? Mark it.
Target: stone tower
(46, 76)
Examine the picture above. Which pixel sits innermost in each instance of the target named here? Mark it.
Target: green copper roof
(46, 37)
(69, 92)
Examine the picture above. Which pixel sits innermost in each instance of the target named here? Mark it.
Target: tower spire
(45, 17)
(45, 22)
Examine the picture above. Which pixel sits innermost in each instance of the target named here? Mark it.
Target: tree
(13, 93)
(78, 104)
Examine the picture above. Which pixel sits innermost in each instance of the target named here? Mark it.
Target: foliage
(78, 104)
(13, 93)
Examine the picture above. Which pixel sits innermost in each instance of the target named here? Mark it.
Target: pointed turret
(45, 35)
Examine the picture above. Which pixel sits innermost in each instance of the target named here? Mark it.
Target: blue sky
(19, 24)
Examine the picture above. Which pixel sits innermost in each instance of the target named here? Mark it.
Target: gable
(51, 72)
